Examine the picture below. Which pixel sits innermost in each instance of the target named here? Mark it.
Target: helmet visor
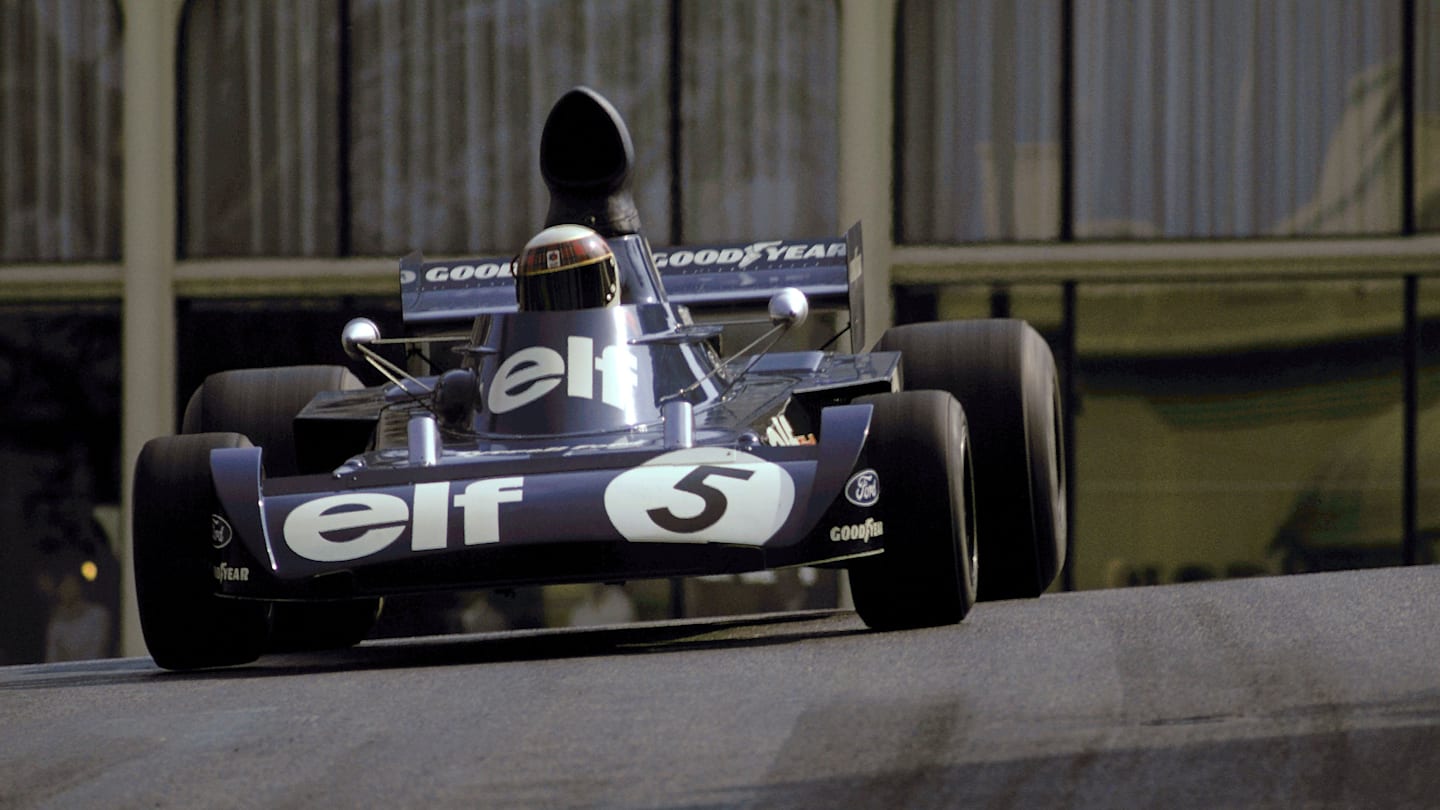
(579, 286)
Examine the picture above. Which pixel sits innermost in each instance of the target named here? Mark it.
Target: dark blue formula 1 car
(577, 425)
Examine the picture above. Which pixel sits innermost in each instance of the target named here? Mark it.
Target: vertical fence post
(1410, 430)
(147, 332)
(1070, 402)
(1408, 204)
(345, 126)
(1067, 121)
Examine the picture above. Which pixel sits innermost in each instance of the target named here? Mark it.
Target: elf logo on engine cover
(863, 488)
(530, 374)
(349, 526)
(702, 494)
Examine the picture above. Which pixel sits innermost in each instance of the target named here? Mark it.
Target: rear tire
(300, 626)
(186, 624)
(262, 403)
(1004, 375)
(926, 576)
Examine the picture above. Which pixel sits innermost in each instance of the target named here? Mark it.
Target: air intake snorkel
(586, 157)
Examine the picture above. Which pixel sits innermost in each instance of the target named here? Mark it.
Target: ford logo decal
(863, 488)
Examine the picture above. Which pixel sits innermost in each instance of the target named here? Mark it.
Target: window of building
(59, 480)
(1237, 119)
(60, 78)
(1427, 115)
(1182, 120)
(979, 121)
(343, 128)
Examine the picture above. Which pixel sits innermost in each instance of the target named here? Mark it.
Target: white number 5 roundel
(699, 495)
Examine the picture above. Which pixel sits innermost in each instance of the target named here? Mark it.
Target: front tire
(261, 403)
(186, 624)
(926, 576)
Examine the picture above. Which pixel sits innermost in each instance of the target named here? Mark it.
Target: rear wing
(828, 271)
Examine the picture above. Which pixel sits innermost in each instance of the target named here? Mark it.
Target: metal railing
(919, 272)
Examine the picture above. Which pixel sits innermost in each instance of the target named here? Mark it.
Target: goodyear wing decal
(752, 272)
(455, 290)
(827, 270)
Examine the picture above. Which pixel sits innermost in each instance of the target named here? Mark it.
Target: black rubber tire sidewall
(1004, 376)
(185, 623)
(261, 404)
(300, 626)
(918, 448)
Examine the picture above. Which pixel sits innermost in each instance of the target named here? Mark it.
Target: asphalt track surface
(1313, 691)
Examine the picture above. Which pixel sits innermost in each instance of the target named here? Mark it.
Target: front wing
(610, 517)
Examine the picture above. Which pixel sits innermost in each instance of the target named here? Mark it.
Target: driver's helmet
(566, 267)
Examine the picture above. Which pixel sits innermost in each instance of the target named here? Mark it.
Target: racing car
(563, 416)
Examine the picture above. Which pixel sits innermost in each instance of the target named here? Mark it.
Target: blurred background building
(1224, 214)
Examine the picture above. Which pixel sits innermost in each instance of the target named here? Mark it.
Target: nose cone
(585, 158)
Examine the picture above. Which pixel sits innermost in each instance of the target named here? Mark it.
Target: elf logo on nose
(352, 525)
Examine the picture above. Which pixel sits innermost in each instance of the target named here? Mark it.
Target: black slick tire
(186, 624)
(926, 576)
(1004, 375)
(261, 404)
